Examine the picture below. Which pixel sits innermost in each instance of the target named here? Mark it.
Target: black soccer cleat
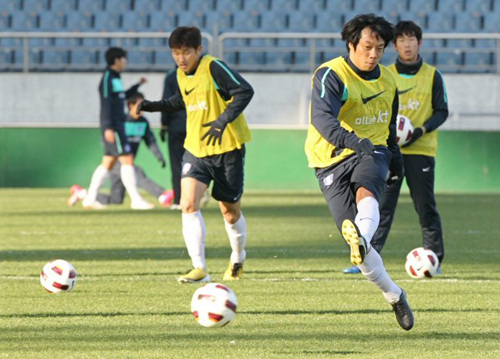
(404, 315)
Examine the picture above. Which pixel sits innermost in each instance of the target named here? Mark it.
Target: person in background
(137, 129)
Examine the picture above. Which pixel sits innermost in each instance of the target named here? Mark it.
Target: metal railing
(250, 52)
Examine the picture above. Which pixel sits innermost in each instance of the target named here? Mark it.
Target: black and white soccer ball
(404, 130)
(214, 305)
(421, 263)
(58, 276)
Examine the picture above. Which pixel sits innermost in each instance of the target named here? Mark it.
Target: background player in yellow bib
(422, 98)
(214, 98)
(351, 144)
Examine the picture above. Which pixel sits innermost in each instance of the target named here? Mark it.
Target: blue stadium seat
(468, 22)
(52, 20)
(95, 42)
(195, 18)
(315, 6)
(201, 5)
(484, 43)
(93, 5)
(117, 5)
(25, 21)
(367, 6)
(426, 6)
(250, 58)
(147, 6)
(83, 59)
(246, 21)
(300, 21)
(7, 59)
(283, 5)
(163, 59)
(36, 5)
(5, 21)
(79, 21)
(338, 6)
(478, 62)
(217, 22)
(135, 21)
(448, 61)
(140, 59)
(479, 5)
(63, 5)
(491, 23)
(248, 5)
(273, 22)
(419, 17)
(173, 5)
(450, 6)
(393, 16)
(400, 6)
(107, 21)
(281, 60)
(55, 59)
(163, 21)
(12, 5)
(328, 22)
(440, 22)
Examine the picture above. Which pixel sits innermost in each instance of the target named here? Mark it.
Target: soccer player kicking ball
(351, 144)
(214, 98)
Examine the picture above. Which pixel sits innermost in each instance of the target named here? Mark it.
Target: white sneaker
(94, 205)
(141, 205)
(176, 207)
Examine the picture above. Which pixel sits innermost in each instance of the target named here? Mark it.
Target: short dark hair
(351, 32)
(114, 53)
(185, 36)
(132, 99)
(408, 28)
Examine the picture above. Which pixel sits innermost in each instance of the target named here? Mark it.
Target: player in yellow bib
(214, 97)
(351, 144)
(423, 99)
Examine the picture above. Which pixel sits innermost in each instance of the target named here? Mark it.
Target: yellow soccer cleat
(351, 235)
(233, 272)
(195, 275)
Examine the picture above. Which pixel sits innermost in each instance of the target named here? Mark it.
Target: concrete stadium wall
(70, 99)
(59, 157)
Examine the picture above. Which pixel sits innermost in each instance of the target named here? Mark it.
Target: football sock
(127, 173)
(368, 218)
(373, 269)
(98, 178)
(194, 231)
(237, 234)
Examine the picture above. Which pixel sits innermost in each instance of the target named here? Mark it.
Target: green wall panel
(59, 157)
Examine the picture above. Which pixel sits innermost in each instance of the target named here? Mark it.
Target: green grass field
(294, 301)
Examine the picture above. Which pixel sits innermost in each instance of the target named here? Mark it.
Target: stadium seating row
(216, 22)
(444, 6)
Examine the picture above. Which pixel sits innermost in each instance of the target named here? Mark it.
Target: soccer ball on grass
(214, 305)
(58, 276)
(421, 263)
(404, 130)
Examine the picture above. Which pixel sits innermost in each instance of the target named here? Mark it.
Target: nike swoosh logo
(426, 169)
(366, 100)
(378, 152)
(186, 92)
(404, 91)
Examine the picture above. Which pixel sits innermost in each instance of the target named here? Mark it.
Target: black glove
(417, 133)
(363, 147)
(163, 163)
(215, 132)
(142, 106)
(396, 170)
(163, 132)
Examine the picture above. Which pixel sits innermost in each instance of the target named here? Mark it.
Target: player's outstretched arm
(171, 104)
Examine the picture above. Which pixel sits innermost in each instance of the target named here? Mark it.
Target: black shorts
(340, 182)
(121, 145)
(226, 170)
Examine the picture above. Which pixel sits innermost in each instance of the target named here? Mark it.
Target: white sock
(98, 178)
(373, 269)
(368, 218)
(237, 234)
(194, 230)
(127, 173)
